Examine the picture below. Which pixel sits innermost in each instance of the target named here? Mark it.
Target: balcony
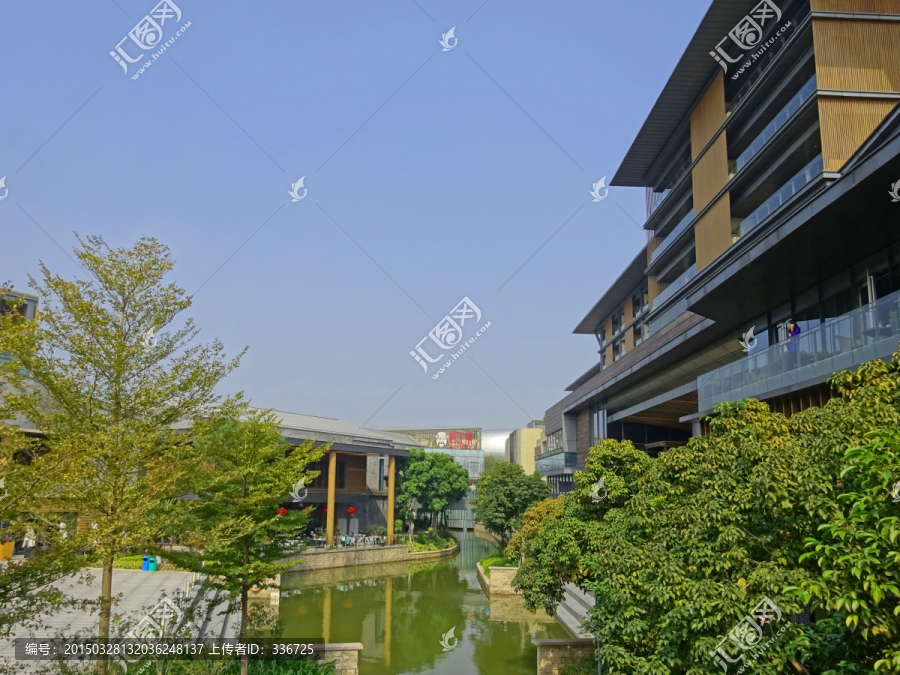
(808, 173)
(867, 333)
(551, 464)
(781, 119)
(673, 235)
(675, 286)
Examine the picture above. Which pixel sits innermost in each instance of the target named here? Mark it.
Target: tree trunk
(244, 617)
(105, 609)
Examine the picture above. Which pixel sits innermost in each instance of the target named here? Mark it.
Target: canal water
(401, 612)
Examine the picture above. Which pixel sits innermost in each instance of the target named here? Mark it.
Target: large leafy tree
(504, 494)
(237, 523)
(684, 546)
(431, 482)
(102, 375)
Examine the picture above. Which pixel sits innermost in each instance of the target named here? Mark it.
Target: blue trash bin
(145, 566)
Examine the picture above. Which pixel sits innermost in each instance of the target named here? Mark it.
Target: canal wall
(353, 557)
(553, 655)
(344, 656)
(500, 581)
(482, 533)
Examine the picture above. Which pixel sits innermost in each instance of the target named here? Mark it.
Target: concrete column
(329, 515)
(392, 463)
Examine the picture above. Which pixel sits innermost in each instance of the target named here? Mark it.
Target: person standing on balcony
(793, 331)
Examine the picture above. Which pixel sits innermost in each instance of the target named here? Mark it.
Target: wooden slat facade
(857, 55)
(854, 55)
(846, 123)
(863, 6)
(712, 232)
(710, 174)
(708, 115)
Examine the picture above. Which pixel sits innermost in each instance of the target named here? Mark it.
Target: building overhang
(685, 86)
(615, 295)
(851, 220)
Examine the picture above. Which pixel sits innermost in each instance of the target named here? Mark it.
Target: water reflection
(400, 612)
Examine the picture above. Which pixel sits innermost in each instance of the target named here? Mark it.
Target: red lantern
(282, 511)
(351, 510)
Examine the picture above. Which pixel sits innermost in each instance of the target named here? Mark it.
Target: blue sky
(426, 181)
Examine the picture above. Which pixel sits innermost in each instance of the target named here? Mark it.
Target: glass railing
(675, 286)
(673, 235)
(550, 464)
(785, 192)
(867, 333)
(783, 117)
(658, 198)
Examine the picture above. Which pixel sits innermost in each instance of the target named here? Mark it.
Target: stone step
(572, 623)
(583, 598)
(574, 608)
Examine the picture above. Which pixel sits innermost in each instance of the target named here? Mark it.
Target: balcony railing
(868, 332)
(675, 286)
(657, 198)
(784, 194)
(783, 117)
(673, 235)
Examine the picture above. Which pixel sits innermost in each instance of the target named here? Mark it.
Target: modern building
(771, 162)
(464, 446)
(522, 445)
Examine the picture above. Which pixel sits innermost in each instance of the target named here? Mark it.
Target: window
(640, 301)
(554, 441)
(341, 476)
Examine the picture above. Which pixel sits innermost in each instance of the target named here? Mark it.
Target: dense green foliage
(683, 547)
(504, 494)
(430, 542)
(496, 560)
(431, 482)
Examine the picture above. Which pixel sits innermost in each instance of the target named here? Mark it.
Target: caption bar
(168, 649)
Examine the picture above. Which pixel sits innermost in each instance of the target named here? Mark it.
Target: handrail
(784, 194)
(675, 286)
(865, 333)
(673, 235)
(781, 118)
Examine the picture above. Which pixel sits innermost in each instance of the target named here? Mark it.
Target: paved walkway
(140, 592)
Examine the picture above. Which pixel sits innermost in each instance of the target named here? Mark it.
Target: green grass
(496, 560)
(431, 542)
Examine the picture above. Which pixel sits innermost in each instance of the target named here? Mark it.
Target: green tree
(682, 547)
(857, 548)
(237, 522)
(431, 482)
(104, 392)
(489, 462)
(505, 493)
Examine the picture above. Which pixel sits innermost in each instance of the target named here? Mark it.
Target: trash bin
(152, 563)
(145, 565)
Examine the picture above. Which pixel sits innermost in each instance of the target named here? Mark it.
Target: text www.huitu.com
(468, 343)
(156, 55)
